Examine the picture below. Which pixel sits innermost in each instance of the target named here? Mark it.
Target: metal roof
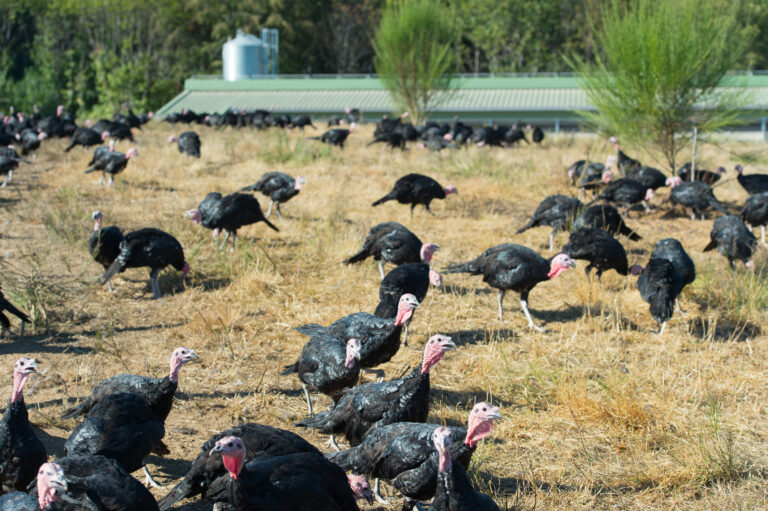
(478, 97)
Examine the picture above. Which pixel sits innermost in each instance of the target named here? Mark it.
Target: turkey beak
(193, 356)
(449, 344)
(216, 448)
(495, 414)
(32, 367)
(58, 482)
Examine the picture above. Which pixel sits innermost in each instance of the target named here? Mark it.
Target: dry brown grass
(600, 412)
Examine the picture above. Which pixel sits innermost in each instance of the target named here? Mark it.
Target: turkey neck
(18, 386)
(404, 314)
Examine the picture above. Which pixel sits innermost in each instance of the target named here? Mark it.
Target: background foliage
(93, 54)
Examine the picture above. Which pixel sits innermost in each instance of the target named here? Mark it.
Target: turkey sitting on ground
(695, 195)
(454, 491)
(626, 192)
(98, 483)
(157, 392)
(300, 481)
(733, 239)
(604, 217)
(755, 212)
(705, 176)
(113, 163)
(208, 477)
(188, 143)
(401, 453)
(753, 183)
(51, 483)
(673, 251)
(599, 248)
(122, 427)
(516, 268)
(659, 285)
(229, 214)
(327, 365)
(556, 211)
(335, 136)
(21, 452)
(379, 337)
(148, 247)
(104, 243)
(416, 189)
(7, 306)
(376, 404)
(279, 187)
(391, 242)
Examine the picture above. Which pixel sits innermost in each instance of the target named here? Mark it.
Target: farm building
(547, 100)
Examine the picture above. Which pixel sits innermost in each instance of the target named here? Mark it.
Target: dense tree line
(93, 55)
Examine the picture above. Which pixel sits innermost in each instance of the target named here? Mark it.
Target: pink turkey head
(560, 263)
(450, 189)
(131, 152)
(185, 269)
(97, 218)
(179, 357)
(649, 194)
(721, 170)
(441, 437)
(353, 353)
(104, 135)
(361, 488)
(21, 371)
(172, 139)
(436, 347)
(194, 215)
(59, 110)
(674, 181)
(405, 308)
(481, 422)
(427, 251)
(232, 451)
(636, 270)
(739, 169)
(615, 142)
(300, 181)
(50, 480)
(607, 176)
(435, 278)
(750, 264)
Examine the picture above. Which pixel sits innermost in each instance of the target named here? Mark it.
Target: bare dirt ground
(600, 412)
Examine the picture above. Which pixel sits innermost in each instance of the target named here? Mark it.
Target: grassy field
(600, 412)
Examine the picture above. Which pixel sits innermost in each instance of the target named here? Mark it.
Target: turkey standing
(514, 267)
(753, 183)
(650, 177)
(599, 248)
(157, 392)
(755, 212)
(392, 242)
(659, 286)
(208, 477)
(86, 137)
(99, 483)
(335, 136)
(302, 121)
(673, 251)
(538, 135)
(394, 139)
(625, 163)
(327, 364)
(695, 195)
(578, 168)
(121, 426)
(401, 453)
(5, 305)
(556, 211)
(300, 481)
(229, 214)
(705, 176)
(626, 192)
(104, 243)
(148, 247)
(376, 404)
(21, 453)
(279, 187)
(9, 160)
(113, 163)
(188, 143)
(454, 491)
(416, 189)
(604, 217)
(379, 337)
(100, 155)
(408, 278)
(50, 483)
(733, 239)
(30, 140)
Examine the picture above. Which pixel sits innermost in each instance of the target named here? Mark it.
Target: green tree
(414, 53)
(657, 68)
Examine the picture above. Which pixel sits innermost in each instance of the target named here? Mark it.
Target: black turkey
(51, 483)
(625, 163)
(753, 183)
(112, 163)
(148, 247)
(229, 214)
(705, 176)
(391, 242)
(556, 211)
(599, 248)
(416, 189)
(335, 136)
(188, 143)
(695, 195)
(732, 239)
(86, 137)
(604, 217)
(279, 187)
(514, 267)
(672, 250)
(104, 243)
(659, 285)
(6, 306)
(755, 212)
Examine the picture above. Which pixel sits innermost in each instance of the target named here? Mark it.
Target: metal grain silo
(242, 57)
